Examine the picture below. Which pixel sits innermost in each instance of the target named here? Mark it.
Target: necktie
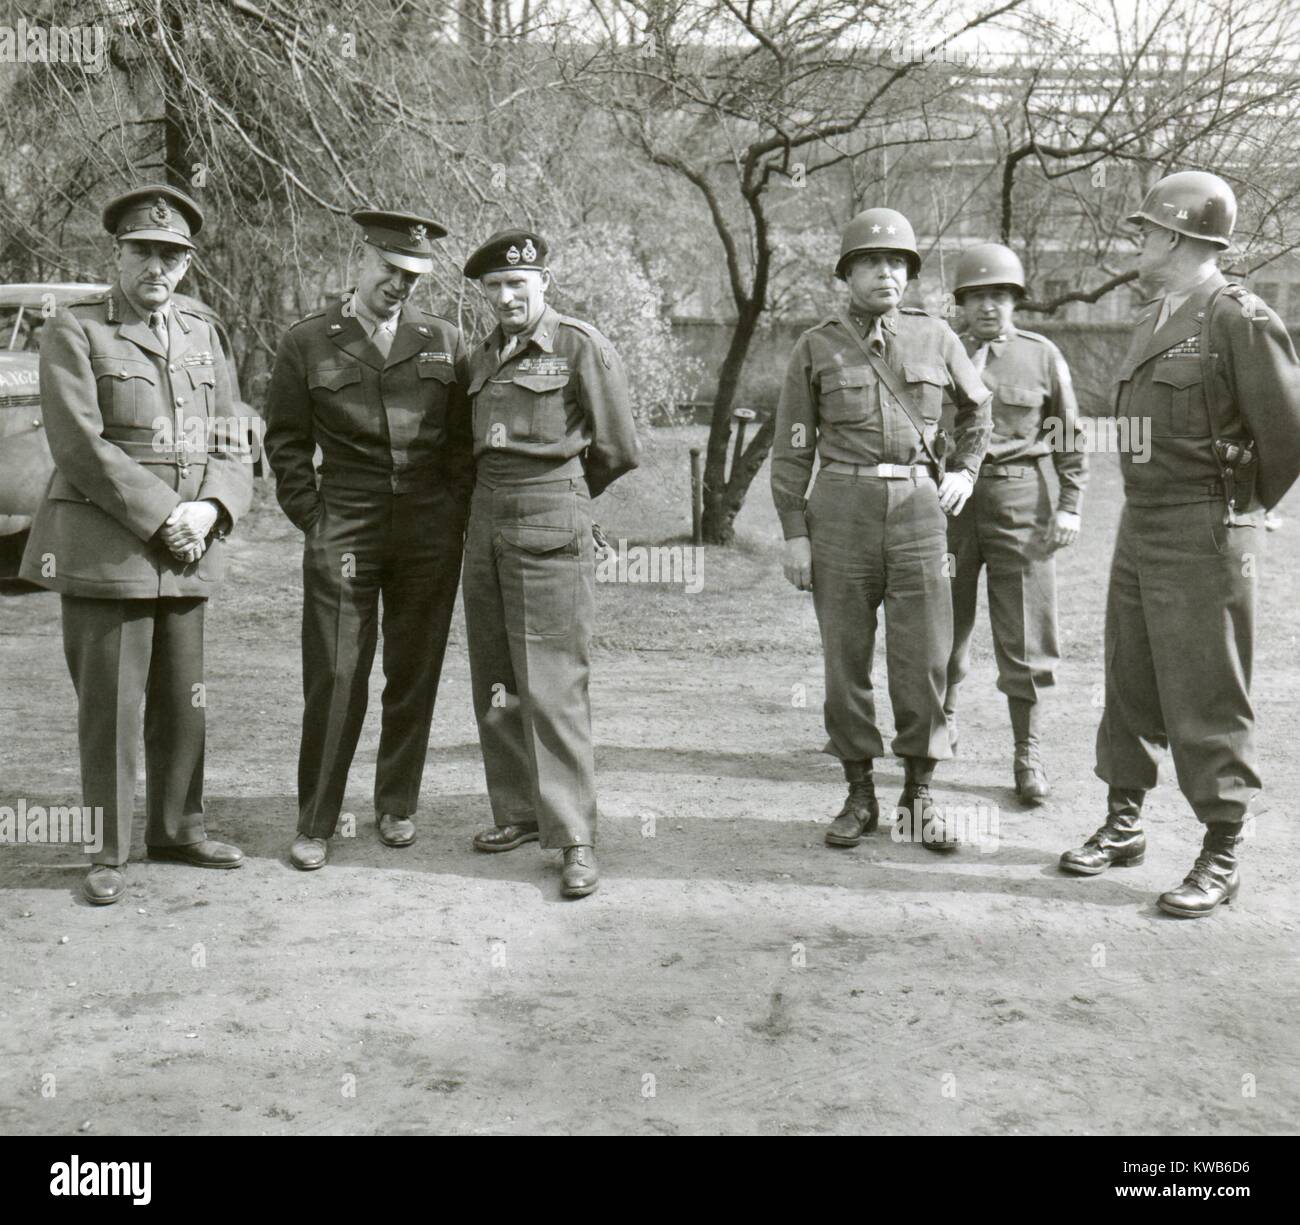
(507, 349)
(1164, 314)
(382, 337)
(876, 337)
(979, 359)
(158, 325)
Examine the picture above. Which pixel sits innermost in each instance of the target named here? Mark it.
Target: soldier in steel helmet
(1010, 527)
(1213, 372)
(863, 394)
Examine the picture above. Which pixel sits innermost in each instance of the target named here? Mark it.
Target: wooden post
(697, 498)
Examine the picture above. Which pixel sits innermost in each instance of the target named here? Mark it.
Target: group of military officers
(399, 452)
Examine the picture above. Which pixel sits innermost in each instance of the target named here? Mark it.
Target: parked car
(25, 460)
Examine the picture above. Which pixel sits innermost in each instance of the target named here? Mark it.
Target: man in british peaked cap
(151, 473)
(379, 385)
(553, 428)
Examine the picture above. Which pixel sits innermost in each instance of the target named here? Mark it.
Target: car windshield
(20, 329)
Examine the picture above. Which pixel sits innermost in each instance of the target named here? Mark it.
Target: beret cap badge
(529, 252)
(512, 255)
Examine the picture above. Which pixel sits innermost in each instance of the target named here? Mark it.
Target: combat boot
(1213, 878)
(1032, 787)
(918, 818)
(1120, 841)
(861, 811)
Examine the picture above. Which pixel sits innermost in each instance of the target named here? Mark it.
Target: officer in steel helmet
(863, 394)
(1214, 374)
(1010, 526)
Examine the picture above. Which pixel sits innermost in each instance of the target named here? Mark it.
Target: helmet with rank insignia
(1191, 202)
(878, 229)
(154, 213)
(989, 265)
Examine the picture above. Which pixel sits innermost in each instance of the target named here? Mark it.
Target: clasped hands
(186, 529)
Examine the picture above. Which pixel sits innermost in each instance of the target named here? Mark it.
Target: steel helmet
(1191, 202)
(989, 265)
(879, 229)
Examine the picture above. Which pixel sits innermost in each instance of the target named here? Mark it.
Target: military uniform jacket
(561, 394)
(134, 431)
(833, 405)
(387, 425)
(1034, 409)
(1254, 391)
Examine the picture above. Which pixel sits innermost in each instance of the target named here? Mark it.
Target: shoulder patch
(1252, 307)
(591, 333)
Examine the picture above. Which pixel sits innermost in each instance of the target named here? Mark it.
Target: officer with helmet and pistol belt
(1214, 372)
(1010, 526)
(863, 392)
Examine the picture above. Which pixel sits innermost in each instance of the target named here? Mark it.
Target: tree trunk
(719, 512)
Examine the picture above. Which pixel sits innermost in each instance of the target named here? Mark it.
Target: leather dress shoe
(505, 837)
(395, 831)
(308, 853)
(1119, 842)
(1032, 787)
(206, 854)
(1213, 880)
(104, 884)
(581, 876)
(861, 811)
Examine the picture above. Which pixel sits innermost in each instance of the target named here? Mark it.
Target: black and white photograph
(651, 568)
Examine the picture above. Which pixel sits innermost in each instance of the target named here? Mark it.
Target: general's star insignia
(875, 229)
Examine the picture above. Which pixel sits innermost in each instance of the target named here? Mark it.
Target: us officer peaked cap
(508, 251)
(154, 213)
(403, 239)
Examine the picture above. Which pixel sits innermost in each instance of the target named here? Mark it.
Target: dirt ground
(732, 974)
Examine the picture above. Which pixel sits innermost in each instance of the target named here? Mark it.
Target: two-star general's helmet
(878, 229)
(989, 265)
(1191, 202)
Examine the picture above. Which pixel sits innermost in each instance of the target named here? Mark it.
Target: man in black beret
(379, 385)
(553, 428)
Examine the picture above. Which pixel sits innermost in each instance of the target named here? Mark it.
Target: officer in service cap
(1010, 526)
(151, 473)
(378, 384)
(553, 429)
(1212, 373)
(863, 393)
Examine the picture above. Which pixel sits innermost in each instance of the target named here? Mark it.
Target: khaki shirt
(562, 393)
(832, 404)
(1034, 409)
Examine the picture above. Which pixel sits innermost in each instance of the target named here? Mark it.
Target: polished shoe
(918, 818)
(1119, 842)
(1032, 787)
(861, 812)
(1213, 879)
(581, 875)
(206, 854)
(104, 884)
(307, 853)
(395, 831)
(505, 837)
